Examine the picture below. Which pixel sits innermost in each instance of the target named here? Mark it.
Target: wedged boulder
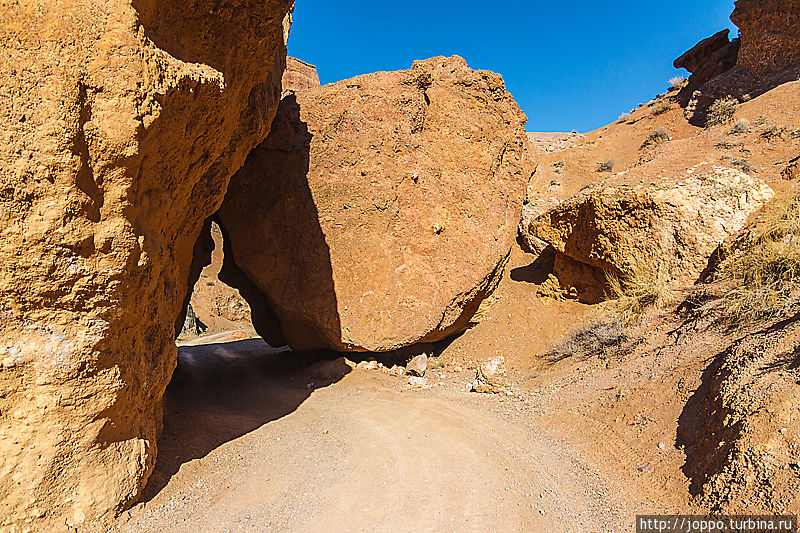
(120, 125)
(662, 227)
(400, 193)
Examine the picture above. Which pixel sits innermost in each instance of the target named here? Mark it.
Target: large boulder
(639, 230)
(400, 194)
(120, 125)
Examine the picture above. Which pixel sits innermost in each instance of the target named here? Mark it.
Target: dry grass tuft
(765, 271)
(646, 287)
(678, 82)
(743, 165)
(606, 166)
(773, 132)
(740, 126)
(660, 108)
(610, 336)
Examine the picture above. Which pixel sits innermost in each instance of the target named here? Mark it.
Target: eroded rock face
(635, 230)
(299, 76)
(740, 426)
(399, 194)
(706, 60)
(120, 125)
(769, 30)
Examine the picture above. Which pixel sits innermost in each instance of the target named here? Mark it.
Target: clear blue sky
(570, 64)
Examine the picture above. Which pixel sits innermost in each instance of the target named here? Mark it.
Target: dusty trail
(251, 442)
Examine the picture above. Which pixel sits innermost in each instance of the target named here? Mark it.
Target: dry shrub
(773, 132)
(610, 336)
(606, 166)
(678, 82)
(743, 165)
(660, 108)
(644, 287)
(721, 111)
(656, 137)
(740, 126)
(765, 268)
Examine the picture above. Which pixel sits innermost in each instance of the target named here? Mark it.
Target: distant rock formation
(299, 76)
(664, 227)
(192, 326)
(706, 60)
(121, 124)
(766, 55)
(380, 210)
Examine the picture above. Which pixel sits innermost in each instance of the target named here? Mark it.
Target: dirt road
(253, 441)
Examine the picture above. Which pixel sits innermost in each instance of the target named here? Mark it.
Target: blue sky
(570, 64)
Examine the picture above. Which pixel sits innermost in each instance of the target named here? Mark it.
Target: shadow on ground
(222, 391)
(537, 271)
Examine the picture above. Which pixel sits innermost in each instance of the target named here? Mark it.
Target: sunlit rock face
(399, 194)
(121, 123)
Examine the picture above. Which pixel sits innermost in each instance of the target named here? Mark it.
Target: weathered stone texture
(398, 196)
(120, 125)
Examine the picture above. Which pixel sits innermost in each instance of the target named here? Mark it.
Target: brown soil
(764, 151)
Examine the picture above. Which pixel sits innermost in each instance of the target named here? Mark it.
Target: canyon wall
(769, 31)
(122, 122)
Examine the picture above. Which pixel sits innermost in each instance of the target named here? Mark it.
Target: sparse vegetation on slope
(740, 126)
(656, 137)
(606, 166)
(605, 338)
(660, 108)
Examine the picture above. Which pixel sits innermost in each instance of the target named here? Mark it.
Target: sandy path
(251, 444)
